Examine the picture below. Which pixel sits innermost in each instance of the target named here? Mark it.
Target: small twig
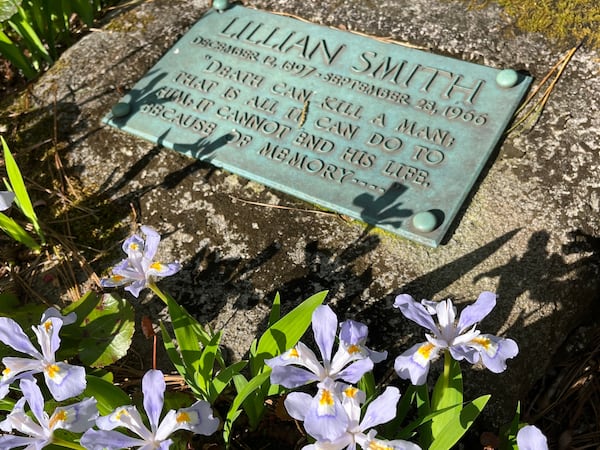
(289, 208)
(534, 112)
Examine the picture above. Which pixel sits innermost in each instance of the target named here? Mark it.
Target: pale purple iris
(6, 199)
(350, 362)
(63, 380)
(333, 417)
(198, 419)
(531, 438)
(460, 337)
(36, 434)
(139, 268)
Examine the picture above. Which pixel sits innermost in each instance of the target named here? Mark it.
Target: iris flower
(531, 438)
(460, 337)
(77, 418)
(63, 380)
(343, 428)
(139, 269)
(6, 198)
(351, 361)
(198, 418)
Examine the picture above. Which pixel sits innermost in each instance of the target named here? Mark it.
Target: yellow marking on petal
(353, 349)
(379, 446)
(183, 417)
(6, 372)
(156, 266)
(425, 350)
(293, 353)
(350, 392)
(48, 326)
(484, 342)
(59, 416)
(488, 345)
(326, 398)
(117, 278)
(52, 370)
(134, 246)
(121, 412)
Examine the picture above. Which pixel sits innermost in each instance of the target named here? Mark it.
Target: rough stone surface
(527, 232)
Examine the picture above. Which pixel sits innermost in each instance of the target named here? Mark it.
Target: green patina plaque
(390, 135)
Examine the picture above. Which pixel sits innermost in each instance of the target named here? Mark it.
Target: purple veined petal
(133, 246)
(136, 287)
(6, 199)
(300, 355)
(369, 441)
(151, 242)
(128, 417)
(382, 409)
(8, 442)
(108, 440)
(12, 334)
(324, 325)
(353, 332)
(35, 399)
(446, 314)
(531, 438)
(414, 363)
(4, 388)
(474, 313)
(64, 380)
(495, 351)
(114, 281)
(77, 417)
(198, 418)
(153, 387)
(460, 352)
(415, 312)
(355, 371)
(326, 419)
(297, 404)
(352, 398)
(158, 269)
(15, 366)
(47, 336)
(291, 376)
(53, 312)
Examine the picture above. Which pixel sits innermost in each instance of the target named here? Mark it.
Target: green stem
(447, 363)
(67, 444)
(158, 292)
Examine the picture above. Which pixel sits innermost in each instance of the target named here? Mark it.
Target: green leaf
(275, 313)
(234, 410)
(286, 332)
(223, 378)
(508, 433)
(448, 391)
(18, 186)
(15, 55)
(459, 424)
(106, 328)
(16, 232)
(107, 395)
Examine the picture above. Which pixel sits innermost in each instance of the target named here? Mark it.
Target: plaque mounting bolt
(220, 5)
(507, 78)
(425, 221)
(121, 109)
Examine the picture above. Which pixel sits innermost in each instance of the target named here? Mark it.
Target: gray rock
(529, 231)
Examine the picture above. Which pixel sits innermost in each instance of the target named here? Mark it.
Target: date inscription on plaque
(390, 135)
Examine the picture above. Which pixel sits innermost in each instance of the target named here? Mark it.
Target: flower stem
(158, 292)
(447, 363)
(66, 444)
